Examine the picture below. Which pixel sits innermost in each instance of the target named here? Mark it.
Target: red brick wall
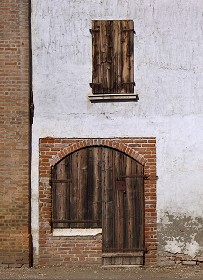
(14, 132)
(65, 250)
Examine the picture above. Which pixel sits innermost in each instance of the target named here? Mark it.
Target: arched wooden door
(102, 187)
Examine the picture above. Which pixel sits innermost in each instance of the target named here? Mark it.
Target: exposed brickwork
(14, 131)
(82, 249)
(171, 259)
(66, 250)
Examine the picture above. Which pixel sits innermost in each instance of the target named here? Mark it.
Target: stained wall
(168, 74)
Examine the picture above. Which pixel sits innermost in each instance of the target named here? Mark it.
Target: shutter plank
(74, 189)
(82, 186)
(104, 51)
(96, 57)
(131, 55)
(110, 55)
(127, 60)
(116, 76)
(119, 58)
(124, 60)
(60, 193)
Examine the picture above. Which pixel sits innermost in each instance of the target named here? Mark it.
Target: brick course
(66, 250)
(14, 131)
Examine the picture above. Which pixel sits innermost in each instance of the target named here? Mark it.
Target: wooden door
(102, 187)
(123, 204)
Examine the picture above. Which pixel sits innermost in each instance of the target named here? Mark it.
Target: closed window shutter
(112, 56)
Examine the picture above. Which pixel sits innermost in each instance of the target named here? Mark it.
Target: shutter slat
(104, 48)
(96, 57)
(131, 55)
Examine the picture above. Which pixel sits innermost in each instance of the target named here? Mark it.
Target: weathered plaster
(169, 81)
(180, 234)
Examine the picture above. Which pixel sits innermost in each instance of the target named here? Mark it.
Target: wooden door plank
(96, 180)
(74, 189)
(130, 55)
(118, 204)
(130, 206)
(107, 198)
(82, 195)
(140, 208)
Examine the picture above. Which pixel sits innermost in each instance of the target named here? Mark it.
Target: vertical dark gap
(31, 115)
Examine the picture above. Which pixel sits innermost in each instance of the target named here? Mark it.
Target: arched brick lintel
(122, 147)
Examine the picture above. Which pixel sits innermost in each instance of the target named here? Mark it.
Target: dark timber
(112, 56)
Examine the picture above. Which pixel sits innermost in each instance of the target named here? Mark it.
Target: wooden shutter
(112, 56)
(76, 190)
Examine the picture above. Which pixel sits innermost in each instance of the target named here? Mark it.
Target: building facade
(117, 134)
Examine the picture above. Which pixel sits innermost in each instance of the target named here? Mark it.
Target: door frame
(52, 150)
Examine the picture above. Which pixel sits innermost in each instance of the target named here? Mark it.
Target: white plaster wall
(168, 76)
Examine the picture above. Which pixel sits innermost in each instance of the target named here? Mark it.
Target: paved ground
(98, 273)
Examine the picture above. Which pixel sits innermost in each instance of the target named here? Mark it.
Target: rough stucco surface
(169, 81)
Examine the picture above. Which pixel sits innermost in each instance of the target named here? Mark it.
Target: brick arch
(52, 150)
(122, 147)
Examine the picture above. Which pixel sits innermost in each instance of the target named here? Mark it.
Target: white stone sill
(113, 97)
(76, 231)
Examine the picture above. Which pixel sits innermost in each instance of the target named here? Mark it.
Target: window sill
(76, 231)
(113, 97)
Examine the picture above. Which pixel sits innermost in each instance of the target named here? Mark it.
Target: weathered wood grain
(99, 186)
(112, 56)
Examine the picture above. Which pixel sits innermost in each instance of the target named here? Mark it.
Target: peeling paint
(180, 234)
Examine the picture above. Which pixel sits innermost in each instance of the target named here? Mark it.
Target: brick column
(14, 131)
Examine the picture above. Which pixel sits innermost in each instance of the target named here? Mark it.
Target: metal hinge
(129, 83)
(94, 30)
(58, 181)
(32, 107)
(145, 177)
(94, 84)
(129, 30)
